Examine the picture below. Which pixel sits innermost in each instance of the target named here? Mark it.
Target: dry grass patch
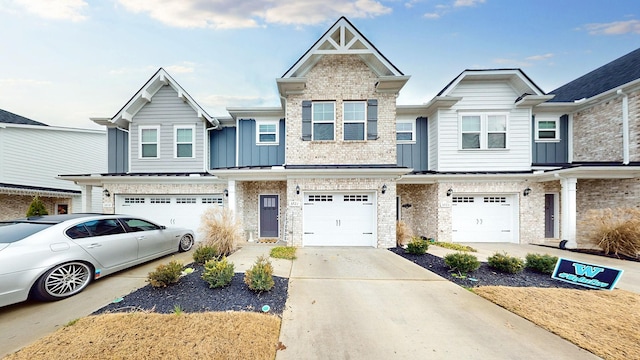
(228, 335)
(604, 323)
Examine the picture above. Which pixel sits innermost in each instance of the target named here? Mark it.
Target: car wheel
(186, 243)
(63, 281)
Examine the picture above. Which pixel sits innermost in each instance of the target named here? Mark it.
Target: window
(149, 142)
(140, 225)
(267, 132)
(406, 131)
(323, 120)
(547, 130)
(101, 227)
(483, 131)
(184, 140)
(355, 118)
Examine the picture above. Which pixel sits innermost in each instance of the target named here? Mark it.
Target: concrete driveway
(353, 303)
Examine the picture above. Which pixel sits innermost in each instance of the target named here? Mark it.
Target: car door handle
(94, 245)
(140, 238)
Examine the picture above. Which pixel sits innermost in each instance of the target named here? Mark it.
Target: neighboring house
(491, 158)
(33, 154)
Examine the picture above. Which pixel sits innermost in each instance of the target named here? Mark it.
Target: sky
(65, 61)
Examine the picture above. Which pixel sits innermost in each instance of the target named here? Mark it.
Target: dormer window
(149, 142)
(483, 131)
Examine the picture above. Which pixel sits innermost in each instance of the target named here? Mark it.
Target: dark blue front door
(268, 216)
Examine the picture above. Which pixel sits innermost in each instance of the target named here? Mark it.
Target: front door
(268, 216)
(549, 216)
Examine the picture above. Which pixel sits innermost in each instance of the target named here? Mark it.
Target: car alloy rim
(185, 242)
(67, 279)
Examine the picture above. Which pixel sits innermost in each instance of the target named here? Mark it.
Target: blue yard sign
(589, 275)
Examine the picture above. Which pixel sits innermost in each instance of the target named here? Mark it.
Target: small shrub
(283, 252)
(506, 263)
(37, 208)
(218, 273)
(165, 274)
(462, 262)
(260, 276)
(403, 234)
(614, 231)
(221, 230)
(454, 246)
(541, 263)
(204, 253)
(417, 246)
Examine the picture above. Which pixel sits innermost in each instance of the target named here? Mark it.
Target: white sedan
(57, 256)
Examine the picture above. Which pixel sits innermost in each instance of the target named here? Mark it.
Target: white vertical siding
(165, 110)
(433, 140)
(35, 155)
(485, 96)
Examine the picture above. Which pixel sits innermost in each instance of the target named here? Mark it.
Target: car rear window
(15, 231)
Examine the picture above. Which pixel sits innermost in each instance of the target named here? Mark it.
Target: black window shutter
(372, 119)
(306, 120)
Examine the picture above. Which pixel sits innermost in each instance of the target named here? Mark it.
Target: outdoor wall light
(225, 192)
(297, 189)
(406, 206)
(526, 191)
(384, 188)
(106, 193)
(449, 192)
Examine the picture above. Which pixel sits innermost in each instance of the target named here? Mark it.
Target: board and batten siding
(118, 150)
(35, 155)
(415, 155)
(251, 154)
(222, 148)
(554, 152)
(166, 110)
(481, 97)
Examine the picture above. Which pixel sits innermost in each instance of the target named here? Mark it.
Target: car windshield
(15, 231)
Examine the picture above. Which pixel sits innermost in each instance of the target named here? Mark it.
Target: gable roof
(517, 77)
(143, 96)
(343, 39)
(11, 118)
(620, 71)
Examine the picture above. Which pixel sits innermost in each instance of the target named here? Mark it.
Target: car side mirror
(162, 227)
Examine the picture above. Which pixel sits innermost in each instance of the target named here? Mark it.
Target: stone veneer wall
(250, 203)
(339, 78)
(16, 206)
(590, 124)
(386, 210)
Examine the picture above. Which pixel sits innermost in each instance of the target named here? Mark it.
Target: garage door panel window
(134, 200)
(320, 198)
(160, 200)
(184, 200)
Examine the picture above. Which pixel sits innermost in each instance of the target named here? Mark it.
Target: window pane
(322, 131)
(546, 125)
(546, 134)
(496, 123)
(323, 111)
(353, 111)
(149, 150)
(404, 136)
(149, 135)
(471, 141)
(354, 131)
(184, 150)
(497, 141)
(267, 138)
(471, 123)
(267, 128)
(184, 135)
(404, 126)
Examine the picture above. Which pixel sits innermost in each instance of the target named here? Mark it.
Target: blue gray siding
(118, 150)
(416, 155)
(222, 147)
(251, 154)
(552, 152)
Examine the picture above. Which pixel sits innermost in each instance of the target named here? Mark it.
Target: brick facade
(588, 127)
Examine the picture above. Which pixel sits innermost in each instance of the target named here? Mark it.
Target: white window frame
(157, 142)
(276, 123)
(413, 131)
(362, 121)
(556, 129)
(314, 121)
(484, 130)
(192, 142)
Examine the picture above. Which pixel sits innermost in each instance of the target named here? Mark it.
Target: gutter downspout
(625, 126)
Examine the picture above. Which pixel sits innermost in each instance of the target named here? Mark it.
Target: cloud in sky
(540, 57)
(614, 28)
(232, 14)
(71, 10)
(465, 3)
(443, 9)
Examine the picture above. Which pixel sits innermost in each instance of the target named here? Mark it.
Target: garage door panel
(484, 218)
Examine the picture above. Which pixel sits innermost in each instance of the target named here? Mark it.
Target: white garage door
(169, 210)
(484, 218)
(339, 219)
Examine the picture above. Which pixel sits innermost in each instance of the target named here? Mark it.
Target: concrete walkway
(354, 303)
